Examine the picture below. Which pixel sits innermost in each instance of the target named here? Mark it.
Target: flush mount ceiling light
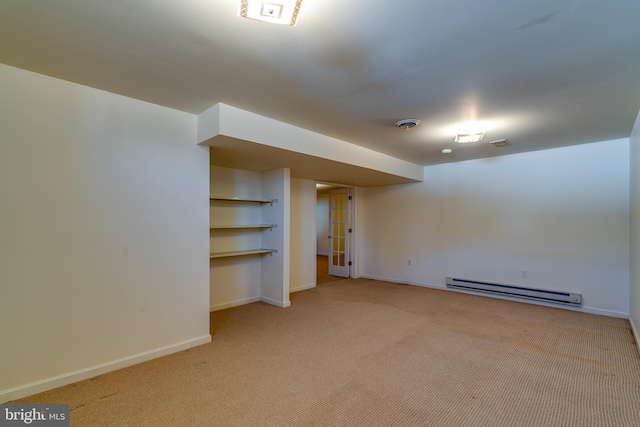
(469, 137)
(284, 12)
(407, 124)
(471, 131)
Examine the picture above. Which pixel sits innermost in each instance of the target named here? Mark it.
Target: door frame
(339, 232)
(351, 224)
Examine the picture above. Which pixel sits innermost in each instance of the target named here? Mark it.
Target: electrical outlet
(524, 274)
(408, 262)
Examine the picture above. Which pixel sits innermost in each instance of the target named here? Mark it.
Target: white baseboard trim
(636, 335)
(303, 288)
(233, 303)
(598, 311)
(283, 304)
(322, 253)
(590, 310)
(83, 374)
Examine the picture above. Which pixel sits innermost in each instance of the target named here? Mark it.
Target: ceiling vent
(501, 143)
(407, 124)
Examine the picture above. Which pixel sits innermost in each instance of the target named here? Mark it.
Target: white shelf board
(239, 253)
(237, 226)
(237, 199)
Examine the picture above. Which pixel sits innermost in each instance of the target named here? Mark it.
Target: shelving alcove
(250, 227)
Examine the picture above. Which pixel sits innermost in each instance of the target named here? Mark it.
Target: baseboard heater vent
(515, 291)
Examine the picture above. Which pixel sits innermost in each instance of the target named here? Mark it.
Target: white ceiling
(545, 73)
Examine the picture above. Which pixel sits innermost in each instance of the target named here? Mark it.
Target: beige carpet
(367, 353)
(322, 270)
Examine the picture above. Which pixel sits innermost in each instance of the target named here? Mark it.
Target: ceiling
(542, 74)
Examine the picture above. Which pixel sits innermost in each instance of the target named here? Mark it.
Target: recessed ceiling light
(447, 151)
(407, 124)
(469, 137)
(284, 12)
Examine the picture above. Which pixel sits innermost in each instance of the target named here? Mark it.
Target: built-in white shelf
(238, 199)
(236, 226)
(240, 253)
(227, 254)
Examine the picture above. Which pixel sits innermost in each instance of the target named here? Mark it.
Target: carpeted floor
(322, 270)
(367, 353)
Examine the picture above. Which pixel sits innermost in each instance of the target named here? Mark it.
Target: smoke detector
(407, 124)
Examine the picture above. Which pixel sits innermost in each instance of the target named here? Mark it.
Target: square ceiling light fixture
(469, 137)
(283, 12)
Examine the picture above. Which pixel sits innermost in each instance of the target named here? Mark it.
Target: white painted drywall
(322, 224)
(222, 119)
(303, 235)
(634, 283)
(274, 285)
(562, 215)
(103, 207)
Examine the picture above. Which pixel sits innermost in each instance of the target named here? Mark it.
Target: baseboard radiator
(515, 291)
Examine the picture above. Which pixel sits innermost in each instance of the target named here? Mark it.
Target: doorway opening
(334, 232)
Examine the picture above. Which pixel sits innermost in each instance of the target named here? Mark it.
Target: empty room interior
(315, 212)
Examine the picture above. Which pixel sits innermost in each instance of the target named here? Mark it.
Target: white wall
(103, 246)
(303, 235)
(274, 280)
(634, 294)
(322, 224)
(562, 215)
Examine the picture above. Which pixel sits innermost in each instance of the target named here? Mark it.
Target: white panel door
(339, 233)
